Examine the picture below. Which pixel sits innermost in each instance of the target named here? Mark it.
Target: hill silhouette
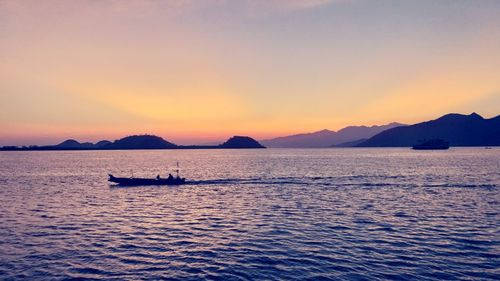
(140, 142)
(457, 129)
(241, 142)
(102, 143)
(327, 138)
(71, 143)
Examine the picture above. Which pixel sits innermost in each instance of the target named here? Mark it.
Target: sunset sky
(197, 71)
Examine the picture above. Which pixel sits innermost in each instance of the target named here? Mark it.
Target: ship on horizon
(432, 144)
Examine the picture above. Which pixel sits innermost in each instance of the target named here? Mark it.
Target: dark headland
(456, 129)
(140, 142)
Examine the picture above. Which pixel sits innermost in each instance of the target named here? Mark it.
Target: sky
(200, 71)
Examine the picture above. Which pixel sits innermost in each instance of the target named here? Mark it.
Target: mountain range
(457, 129)
(327, 138)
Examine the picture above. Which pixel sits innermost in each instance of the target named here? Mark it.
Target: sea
(264, 214)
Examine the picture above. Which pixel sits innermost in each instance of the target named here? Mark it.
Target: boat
(170, 180)
(147, 181)
(432, 144)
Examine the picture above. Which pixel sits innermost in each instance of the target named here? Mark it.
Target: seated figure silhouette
(170, 177)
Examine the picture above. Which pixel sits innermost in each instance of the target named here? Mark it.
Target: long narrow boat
(146, 181)
(433, 144)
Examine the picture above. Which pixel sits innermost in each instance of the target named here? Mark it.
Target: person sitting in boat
(170, 177)
(158, 177)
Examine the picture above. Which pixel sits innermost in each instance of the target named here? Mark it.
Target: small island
(139, 142)
(241, 142)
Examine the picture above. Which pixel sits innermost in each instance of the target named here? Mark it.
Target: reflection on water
(357, 214)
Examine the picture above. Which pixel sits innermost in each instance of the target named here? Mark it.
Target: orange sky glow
(201, 71)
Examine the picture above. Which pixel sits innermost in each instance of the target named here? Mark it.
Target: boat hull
(432, 144)
(430, 148)
(145, 181)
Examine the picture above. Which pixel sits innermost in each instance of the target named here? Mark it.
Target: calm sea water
(274, 214)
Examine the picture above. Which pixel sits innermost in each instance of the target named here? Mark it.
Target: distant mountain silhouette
(241, 142)
(350, 143)
(140, 142)
(327, 138)
(102, 143)
(457, 129)
(321, 138)
(69, 144)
